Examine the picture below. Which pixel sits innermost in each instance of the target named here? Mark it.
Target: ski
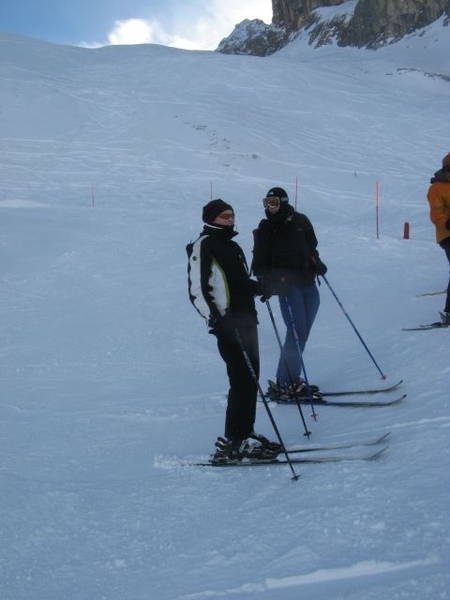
(366, 391)
(317, 396)
(436, 325)
(344, 403)
(280, 461)
(430, 293)
(341, 445)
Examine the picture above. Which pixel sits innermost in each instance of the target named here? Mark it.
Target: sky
(190, 24)
(111, 385)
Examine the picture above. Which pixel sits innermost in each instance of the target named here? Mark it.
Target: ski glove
(266, 289)
(257, 287)
(319, 267)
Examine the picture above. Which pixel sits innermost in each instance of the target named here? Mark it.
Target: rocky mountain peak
(358, 23)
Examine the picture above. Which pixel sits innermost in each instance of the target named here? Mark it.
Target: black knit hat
(278, 192)
(213, 209)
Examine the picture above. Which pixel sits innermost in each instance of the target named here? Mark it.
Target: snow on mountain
(108, 376)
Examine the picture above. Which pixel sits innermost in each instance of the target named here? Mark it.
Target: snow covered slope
(108, 377)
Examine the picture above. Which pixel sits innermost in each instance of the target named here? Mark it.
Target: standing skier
(222, 292)
(286, 260)
(439, 200)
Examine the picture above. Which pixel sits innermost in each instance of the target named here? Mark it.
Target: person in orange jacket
(439, 199)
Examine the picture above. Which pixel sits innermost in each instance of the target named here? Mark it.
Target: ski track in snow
(367, 569)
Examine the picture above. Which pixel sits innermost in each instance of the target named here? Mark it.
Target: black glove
(257, 287)
(447, 224)
(266, 289)
(212, 324)
(319, 267)
(226, 326)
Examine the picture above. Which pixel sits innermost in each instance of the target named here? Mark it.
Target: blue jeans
(298, 309)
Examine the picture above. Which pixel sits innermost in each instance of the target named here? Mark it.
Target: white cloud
(142, 31)
(133, 31)
(200, 31)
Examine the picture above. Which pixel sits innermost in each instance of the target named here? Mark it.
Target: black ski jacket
(285, 247)
(218, 277)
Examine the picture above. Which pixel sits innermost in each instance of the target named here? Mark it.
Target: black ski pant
(242, 395)
(445, 245)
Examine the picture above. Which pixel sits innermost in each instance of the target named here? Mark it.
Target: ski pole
(383, 376)
(300, 353)
(263, 398)
(283, 355)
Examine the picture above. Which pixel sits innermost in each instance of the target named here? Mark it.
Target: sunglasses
(272, 202)
(226, 216)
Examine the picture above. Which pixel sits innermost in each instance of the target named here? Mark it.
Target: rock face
(359, 23)
(293, 14)
(374, 22)
(255, 38)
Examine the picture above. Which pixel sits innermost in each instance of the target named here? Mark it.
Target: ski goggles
(226, 216)
(271, 202)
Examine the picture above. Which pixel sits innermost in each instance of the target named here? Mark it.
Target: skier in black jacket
(222, 292)
(286, 260)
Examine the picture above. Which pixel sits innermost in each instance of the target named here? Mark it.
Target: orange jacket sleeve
(439, 199)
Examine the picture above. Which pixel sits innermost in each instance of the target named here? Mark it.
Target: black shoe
(298, 390)
(253, 449)
(272, 446)
(276, 391)
(234, 450)
(227, 450)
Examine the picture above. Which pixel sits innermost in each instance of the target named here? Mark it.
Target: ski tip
(437, 325)
(375, 455)
(394, 385)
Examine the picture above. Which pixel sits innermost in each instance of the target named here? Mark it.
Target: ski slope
(108, 378)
